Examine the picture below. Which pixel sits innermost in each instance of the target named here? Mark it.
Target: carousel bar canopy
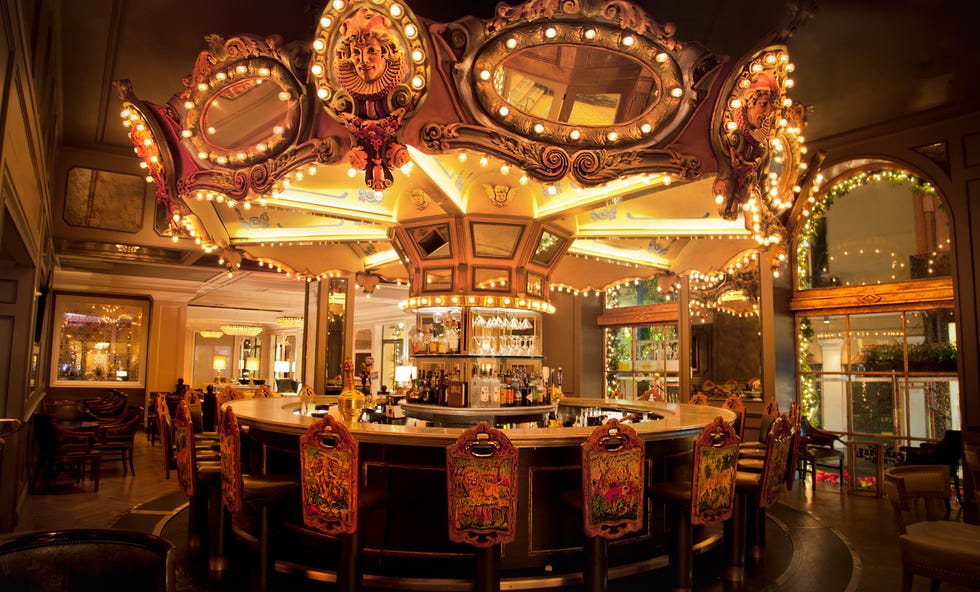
(566, 145)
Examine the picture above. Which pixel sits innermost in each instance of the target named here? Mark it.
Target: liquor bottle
(495, 390)
(350, 402)
(443, 388)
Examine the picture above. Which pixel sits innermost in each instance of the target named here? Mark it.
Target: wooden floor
(822, 527)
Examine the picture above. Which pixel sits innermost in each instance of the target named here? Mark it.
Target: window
(889, 374)
(642, 358)
(99, 340)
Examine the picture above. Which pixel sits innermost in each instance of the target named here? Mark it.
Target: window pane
(872, 405)
(908, 238)
(933, 406)
(876, 342)
(930, 347)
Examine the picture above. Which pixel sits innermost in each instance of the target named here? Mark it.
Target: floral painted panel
(329, 461)
(616, 479)
(715, 495)
(481, 473)
(184, 443)
(612, 479)
(231, 461)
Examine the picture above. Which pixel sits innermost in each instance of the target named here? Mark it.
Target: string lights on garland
(819, 208)
(809, 402)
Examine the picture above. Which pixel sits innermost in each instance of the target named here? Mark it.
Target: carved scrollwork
(551, 163)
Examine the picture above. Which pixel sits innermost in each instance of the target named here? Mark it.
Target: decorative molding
(912, 294)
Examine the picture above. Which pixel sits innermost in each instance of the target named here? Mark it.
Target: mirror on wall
(336, 318)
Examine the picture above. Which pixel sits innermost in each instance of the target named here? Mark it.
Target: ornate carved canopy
(569, 143)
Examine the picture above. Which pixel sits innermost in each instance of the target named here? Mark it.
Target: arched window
(873, 299)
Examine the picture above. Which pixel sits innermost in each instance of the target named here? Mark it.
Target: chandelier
(244, 330)
(290, 322)
(211, 334)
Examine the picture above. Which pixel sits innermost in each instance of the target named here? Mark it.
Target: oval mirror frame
(226, 78)
(648, 126)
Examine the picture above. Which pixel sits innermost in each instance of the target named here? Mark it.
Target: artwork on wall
(104, 200)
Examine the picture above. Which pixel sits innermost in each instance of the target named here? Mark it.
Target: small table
(871, 455)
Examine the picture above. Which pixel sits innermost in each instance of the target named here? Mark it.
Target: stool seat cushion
(943, 545)
(750, 465)
(747, 482)
(672, 492)
(266, 489)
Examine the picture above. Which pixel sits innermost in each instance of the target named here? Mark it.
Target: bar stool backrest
(699, 399)
(263, 392)
(193, 396)
(164, 429)
(734, 404)
(184, 448)
(231, 460)
(612, 481)
(715, 466)
(228, 394)
(329, 477)
(776, 461)
(481, 481)
(794, 449)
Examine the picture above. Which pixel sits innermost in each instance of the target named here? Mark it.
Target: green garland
(809, 403)
(842, 188)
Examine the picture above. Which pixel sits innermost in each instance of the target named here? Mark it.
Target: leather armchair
(948, 451)
(87, 559)
(819, 447)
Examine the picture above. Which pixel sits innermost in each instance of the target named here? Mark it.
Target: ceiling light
(290, 322)
(211, 334)
(243, 330)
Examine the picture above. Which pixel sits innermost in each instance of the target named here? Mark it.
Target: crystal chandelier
(244, 330)
(290, 322)
(211, 334)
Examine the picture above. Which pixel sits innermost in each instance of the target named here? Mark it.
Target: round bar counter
(406, 545)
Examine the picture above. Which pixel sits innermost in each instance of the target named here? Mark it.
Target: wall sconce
(218, 363)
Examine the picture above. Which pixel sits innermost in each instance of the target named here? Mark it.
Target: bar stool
(481, 482)
(756, 491)
(708, 498)
(611, 499)
(199, 474)
(238, 489)
(334, 502)
(734, 404)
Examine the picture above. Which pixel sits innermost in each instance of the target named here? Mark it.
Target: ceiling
(858, 63)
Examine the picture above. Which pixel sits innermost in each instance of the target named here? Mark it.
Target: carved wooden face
(368, 59)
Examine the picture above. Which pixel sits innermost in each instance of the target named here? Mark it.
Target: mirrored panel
(535, 285)
(548, 247)
(438, 280)
(495, 240)
(491, 279)
(576, 84)
(432, 241)
(248, 113)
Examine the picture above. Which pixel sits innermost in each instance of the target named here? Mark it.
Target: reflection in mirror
(549, 245)
(433, 241)
(495, 240)
(492, 279)
(336, 318)
(535, 285)
(438, 280)
(248, 113)
(576, 84)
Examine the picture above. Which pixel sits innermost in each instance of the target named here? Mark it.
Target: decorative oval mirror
(577, 84)
(248, 114)
(591, 84)
(242, 103)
